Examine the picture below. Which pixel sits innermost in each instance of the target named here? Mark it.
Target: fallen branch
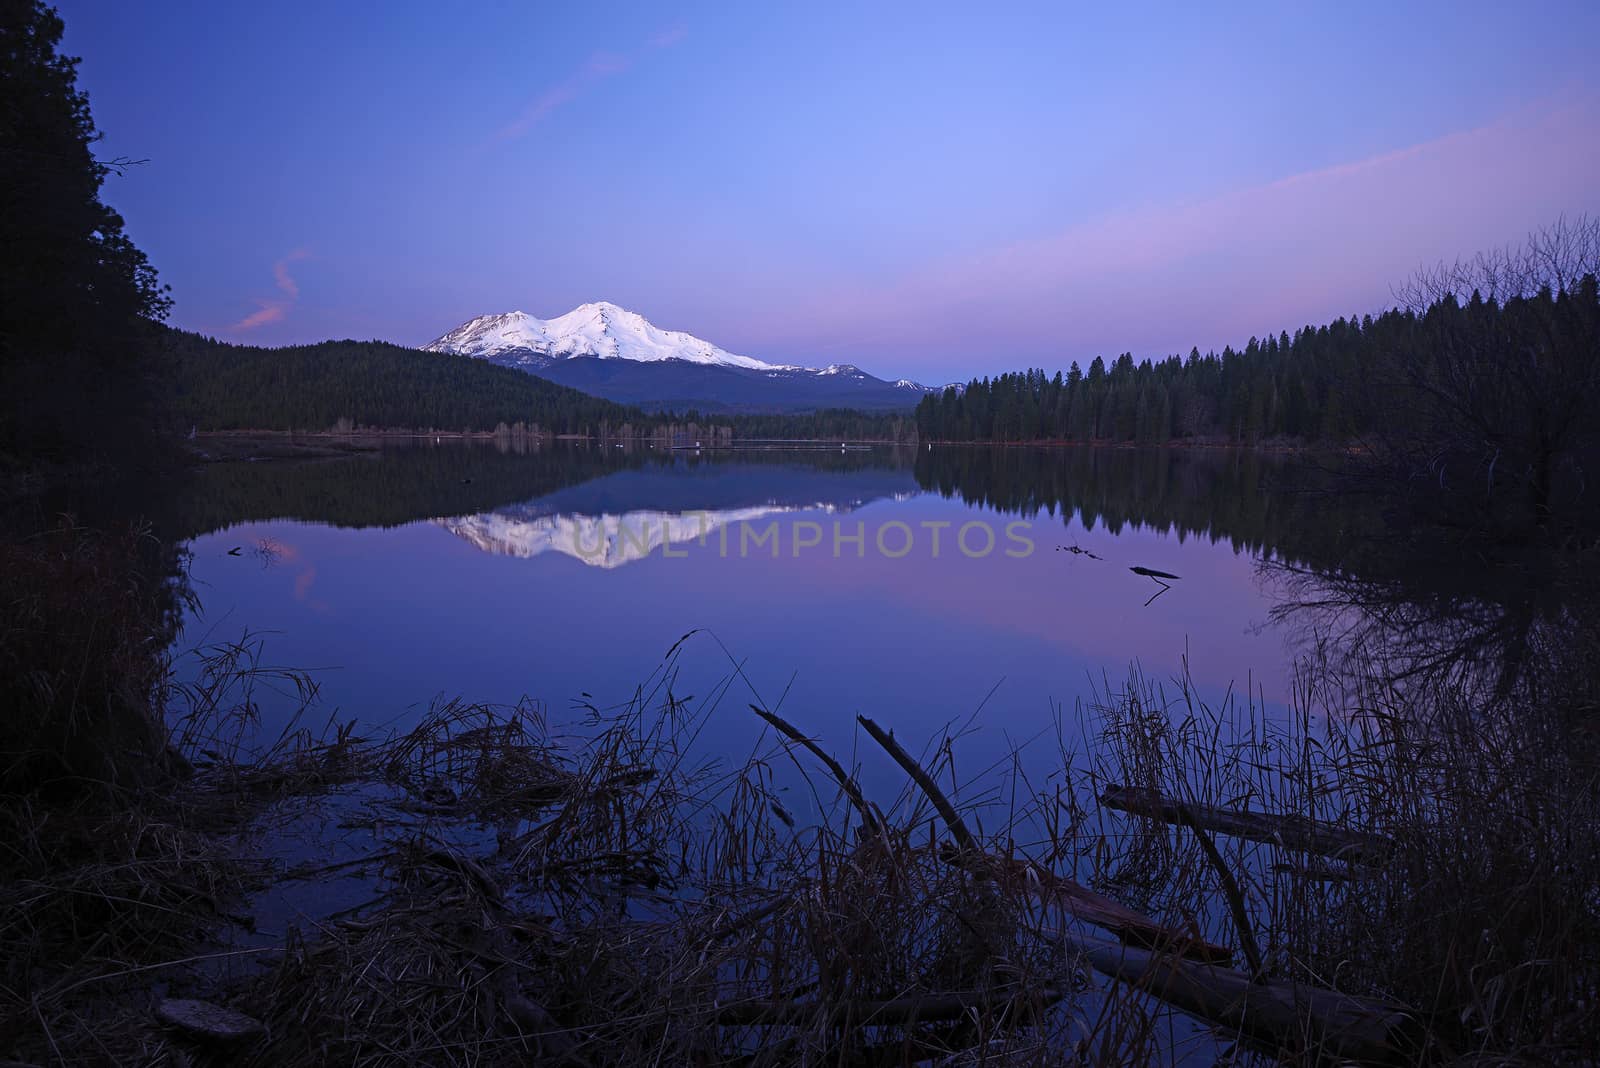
(993, 928)
(1230, 890)
(1084, 904)
(1290, 832)
(1278, 1016)
(1078, 900)
(869, 819)
(952, 818)
(1157, 577)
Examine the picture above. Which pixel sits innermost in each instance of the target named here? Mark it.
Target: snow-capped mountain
(601, 330)
(611, 352)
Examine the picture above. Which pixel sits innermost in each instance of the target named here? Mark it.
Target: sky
(925, 190)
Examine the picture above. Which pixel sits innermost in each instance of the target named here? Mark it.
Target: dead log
(1290, 832)
(1278, 1016)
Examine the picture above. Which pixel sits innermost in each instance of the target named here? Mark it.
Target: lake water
(923, 588)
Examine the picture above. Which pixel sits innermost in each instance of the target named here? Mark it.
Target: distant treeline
(373, 385)
(1323, 384)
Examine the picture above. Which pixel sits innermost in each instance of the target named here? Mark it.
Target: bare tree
(1556, 258)
(1491, 391)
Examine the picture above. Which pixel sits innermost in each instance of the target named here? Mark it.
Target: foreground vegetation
(521, 892)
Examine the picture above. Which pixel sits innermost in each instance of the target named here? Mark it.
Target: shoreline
(341, 443)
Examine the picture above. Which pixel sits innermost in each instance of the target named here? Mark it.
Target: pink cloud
(274, 310)
(280, 272)
(270, 311)
(1300, 249)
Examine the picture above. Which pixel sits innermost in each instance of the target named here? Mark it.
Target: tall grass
(1481, 919)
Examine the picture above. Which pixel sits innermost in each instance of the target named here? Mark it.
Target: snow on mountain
(608, 332)
(601, 329)
(605, 541)
(617, 354)
(609, 540)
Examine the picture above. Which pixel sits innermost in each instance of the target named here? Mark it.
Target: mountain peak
(599, 329)
(598, 309)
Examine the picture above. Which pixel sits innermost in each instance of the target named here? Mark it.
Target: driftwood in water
(948, 1005)
(1291, 832)
(1158, 577)
(1078, 900)
(1277, 1015)
(869, 819)
(1274, 1014)
(947, 811)
(1231, 891)
(1084, 904)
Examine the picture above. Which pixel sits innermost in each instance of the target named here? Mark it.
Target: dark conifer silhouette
(77, 367)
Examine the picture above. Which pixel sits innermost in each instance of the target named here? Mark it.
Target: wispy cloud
(599, 67)
(280, 273)
(668, 37)
(269, 311)
(273, 309)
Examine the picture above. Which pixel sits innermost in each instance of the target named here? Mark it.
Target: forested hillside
(373, 384)
(1327, 383)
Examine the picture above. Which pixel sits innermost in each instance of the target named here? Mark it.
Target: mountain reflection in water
(922, 584)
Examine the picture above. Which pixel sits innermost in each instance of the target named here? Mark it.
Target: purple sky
(917, 189)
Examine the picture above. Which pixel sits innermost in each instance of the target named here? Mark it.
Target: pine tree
(76, 354)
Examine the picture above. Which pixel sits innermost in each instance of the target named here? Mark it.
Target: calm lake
(924, 588)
